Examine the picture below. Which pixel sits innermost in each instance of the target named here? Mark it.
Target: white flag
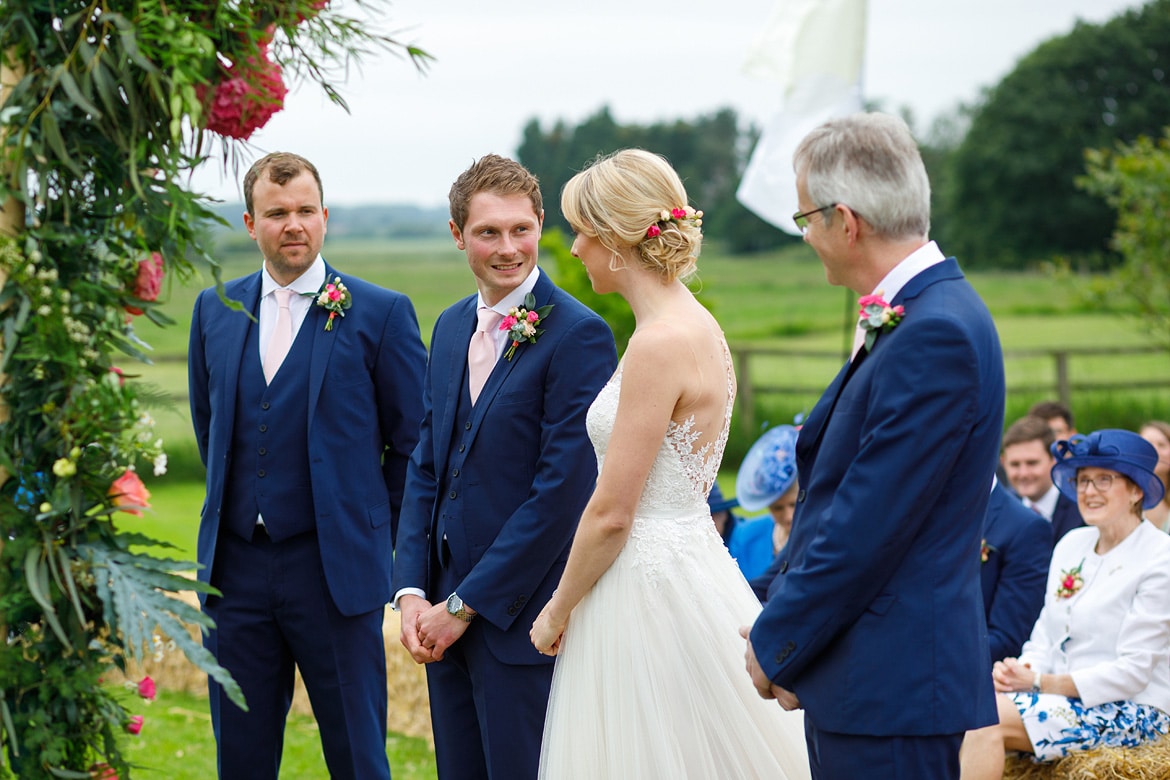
(814, 50)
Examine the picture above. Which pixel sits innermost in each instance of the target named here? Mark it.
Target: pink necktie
(481, 352)
(281, 338)
(858, 341)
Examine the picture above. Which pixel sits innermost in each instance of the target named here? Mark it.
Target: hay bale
(1148, 761)
(409, 710)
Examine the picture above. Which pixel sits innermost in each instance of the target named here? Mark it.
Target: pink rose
(870, 300)
(148, 284)
(146, 688)
(102, 771)
(121, 376)
(334, 293)
(135, 724)
(251, 92)
(129, 494)
(532, 316)
(507, 322)
(899, 311)
(653, 231)
(678, 213)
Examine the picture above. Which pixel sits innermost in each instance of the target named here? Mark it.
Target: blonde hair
(616, 200)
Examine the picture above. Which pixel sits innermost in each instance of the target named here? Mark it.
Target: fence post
(745, 397)
(1063, 391)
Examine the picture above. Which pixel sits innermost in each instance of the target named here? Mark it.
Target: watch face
(454, 604)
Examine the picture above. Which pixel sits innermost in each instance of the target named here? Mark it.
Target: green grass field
(176, 744)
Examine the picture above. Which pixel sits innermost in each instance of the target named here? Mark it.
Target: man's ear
(456, 234)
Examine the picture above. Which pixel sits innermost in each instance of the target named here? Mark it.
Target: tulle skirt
(650, 680)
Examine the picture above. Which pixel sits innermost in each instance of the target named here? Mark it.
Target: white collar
(915, 263)
(514, 298)
(311, 281)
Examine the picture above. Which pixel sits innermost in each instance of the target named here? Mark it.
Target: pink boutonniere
(523, 323)
(985, 551)
(334, 297)
(1070, 581)
(877, 316)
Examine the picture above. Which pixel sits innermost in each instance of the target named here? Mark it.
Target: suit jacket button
(263, 429)
(800, 496)
(263, 450)
(454, 472)
(462, 447)
(451, 495)
(265, 406)
(511, 611)
(783, 566)
(261, 473)
(467, 425)
(791, 645)
(779, 658)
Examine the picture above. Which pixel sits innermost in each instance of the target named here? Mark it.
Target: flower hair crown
(678, 216)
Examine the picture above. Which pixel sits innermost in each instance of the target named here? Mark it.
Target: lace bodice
(682, 475)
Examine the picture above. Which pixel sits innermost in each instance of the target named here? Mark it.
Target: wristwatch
(456, 607)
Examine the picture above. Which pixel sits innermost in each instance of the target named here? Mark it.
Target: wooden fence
(1059, 382)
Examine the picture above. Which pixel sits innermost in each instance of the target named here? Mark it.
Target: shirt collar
(915, 263)
(1046, 504)
(515, 298)
(311, 281)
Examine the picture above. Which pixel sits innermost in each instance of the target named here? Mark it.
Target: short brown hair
(281, 167)
(1050, 410)
(495, 174)
(1029, 428)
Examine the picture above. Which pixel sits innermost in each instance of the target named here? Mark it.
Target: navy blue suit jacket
(527, 472)
(1065, 517)
(365, 403)
(1019, 544)
(875, 619)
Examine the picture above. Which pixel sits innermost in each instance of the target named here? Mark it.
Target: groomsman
(305, 413)
(1028, 460)
(874, 623)
(498, 481)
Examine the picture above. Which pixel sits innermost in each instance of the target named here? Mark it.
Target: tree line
(1007, 171)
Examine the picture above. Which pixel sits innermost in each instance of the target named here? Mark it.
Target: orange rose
(129, 494)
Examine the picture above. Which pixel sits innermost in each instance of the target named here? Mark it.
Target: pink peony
(532, 316)
(146, 688)
(507, 322)
(129, 494)
(246, 99)
(653, 231)
(135, 724)
(334, 293)
(148, 284)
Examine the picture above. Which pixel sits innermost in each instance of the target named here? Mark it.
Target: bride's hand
(546, 632)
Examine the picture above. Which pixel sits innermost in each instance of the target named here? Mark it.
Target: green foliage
(709, 153)
(1008, 190)
(571, 277)
(104, 110)
(1134, 180)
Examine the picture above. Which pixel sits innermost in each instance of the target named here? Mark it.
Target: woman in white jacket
(1096, 670)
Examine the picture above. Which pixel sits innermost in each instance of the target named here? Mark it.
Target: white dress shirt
(915, 263)
(1046, 504)
(1112, 635)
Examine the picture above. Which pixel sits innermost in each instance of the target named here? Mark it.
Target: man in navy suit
(306, 407)
(1017, 548)
(502, 471)
(1027, 459)
(874, 624)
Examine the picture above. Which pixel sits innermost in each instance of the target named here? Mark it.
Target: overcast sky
(500, 63)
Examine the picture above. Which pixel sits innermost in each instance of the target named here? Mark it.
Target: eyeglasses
(801, 217)
(1102, 482)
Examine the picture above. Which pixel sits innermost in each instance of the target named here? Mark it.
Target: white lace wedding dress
(650, 680)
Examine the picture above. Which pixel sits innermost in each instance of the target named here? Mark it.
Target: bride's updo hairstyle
(634, 199)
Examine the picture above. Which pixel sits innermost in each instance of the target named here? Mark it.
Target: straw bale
(1149, 761)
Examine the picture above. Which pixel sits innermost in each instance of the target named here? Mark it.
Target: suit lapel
(322, 348)
(235, 336)
(450, 352)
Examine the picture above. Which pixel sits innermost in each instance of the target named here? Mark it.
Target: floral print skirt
(1058, 725)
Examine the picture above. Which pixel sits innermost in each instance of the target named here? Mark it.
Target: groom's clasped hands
(765, 687)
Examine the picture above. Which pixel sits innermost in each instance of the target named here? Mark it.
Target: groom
(305, 419)
(874, 623)
(498, 481)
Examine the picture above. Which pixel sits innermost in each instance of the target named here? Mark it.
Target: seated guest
(1027, 460)
(748, 541)
(767, 480)
(1157, 433)
(1017, 547)
(1096, 670)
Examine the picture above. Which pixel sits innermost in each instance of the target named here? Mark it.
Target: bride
(649, 679)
